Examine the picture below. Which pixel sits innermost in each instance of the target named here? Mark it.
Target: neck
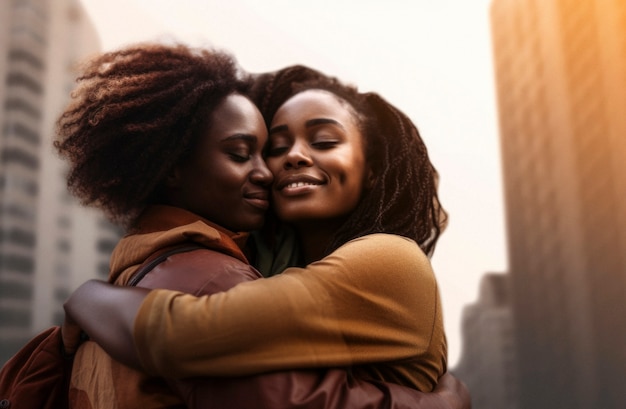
(315, 237)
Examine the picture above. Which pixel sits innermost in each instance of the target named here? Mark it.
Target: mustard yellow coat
(372, 305)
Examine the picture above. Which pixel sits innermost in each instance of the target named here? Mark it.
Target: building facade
(48, 244)
(561, 84)
(488, 365)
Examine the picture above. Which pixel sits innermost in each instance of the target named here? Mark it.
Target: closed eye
(239, 147)
(278, 145)
(239, 157)
(325, 144)
(276, 151)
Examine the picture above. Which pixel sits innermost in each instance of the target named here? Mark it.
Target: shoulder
(383, 241)
(377, 260)
(383, 251)
(201, 271)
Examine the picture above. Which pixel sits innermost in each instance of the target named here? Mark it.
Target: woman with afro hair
(164, 140)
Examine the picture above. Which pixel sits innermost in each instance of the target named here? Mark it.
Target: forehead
(235, 107)
(236, 114)
(315, 102)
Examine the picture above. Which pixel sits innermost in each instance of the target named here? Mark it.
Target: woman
(163, 139)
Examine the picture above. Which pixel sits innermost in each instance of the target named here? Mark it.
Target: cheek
(223, 184)
(353, 171)
(273, 164)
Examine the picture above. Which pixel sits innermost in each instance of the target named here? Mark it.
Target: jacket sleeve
(373, 300)
(313, 389)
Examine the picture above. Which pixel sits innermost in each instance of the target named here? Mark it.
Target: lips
(258, 199)
(259, 194)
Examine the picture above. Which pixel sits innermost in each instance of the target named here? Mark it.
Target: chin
(255, 226)
(290, 215)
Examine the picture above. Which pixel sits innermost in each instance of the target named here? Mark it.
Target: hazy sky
(432, 59)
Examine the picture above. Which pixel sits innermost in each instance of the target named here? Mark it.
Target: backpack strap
(158, 257)
(150, 263)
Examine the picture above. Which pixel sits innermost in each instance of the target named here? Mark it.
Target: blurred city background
(545, 329)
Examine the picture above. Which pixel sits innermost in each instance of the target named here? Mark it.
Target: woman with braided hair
(353, 180)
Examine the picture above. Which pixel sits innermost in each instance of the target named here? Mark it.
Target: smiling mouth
(299, 182)
(299, 188)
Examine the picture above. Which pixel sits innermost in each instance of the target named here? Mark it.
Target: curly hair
(403, 199)
(135, 114)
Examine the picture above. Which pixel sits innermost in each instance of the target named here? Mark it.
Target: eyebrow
(240, 136)
(279, 128)
(308, 124)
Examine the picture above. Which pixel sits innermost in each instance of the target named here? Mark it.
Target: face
(316, 154)
(226, 180)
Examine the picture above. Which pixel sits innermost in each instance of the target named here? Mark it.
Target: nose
(298, 156)
(261, 175)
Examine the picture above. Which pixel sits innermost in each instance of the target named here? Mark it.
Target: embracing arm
(327, 388)
(360, 305)
(374, 300)
(106, 313)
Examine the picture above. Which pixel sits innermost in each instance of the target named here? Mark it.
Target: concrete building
(48, 244)
(561, 84)
(488, 363)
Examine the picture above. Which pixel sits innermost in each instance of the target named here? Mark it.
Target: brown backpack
(38, 376)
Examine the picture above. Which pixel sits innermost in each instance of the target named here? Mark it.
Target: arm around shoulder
(353, 307)
(91, 307)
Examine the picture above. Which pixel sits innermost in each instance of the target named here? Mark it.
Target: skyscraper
(488, 365)
(48, 244)
(561, 83)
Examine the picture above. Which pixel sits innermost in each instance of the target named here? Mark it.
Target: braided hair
(403, 198)
(135, 114)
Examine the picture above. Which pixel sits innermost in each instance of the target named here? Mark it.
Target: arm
(370, 301)
(312, 391)
(106, 313)
(340, 311)
(334, 388)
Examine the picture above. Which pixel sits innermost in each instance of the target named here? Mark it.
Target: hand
(106, 312)
(71, 335)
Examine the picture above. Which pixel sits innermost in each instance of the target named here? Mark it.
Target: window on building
(21, 79)
(64, 245)
(106, 246)
(26, 56)
(14, 290)
(18, 104)
(15, 317)
(17, 262)
(19, 236)
(20, 156)
(23, 132)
